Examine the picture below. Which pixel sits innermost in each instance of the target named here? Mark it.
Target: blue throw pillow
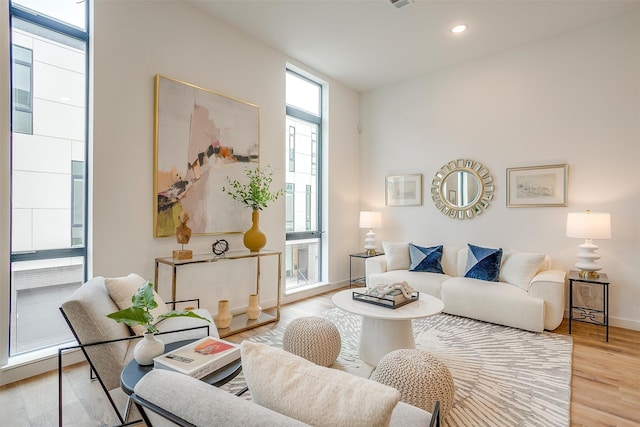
(483, 263)
(425, 259)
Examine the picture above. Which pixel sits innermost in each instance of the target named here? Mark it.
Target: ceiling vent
(400, 3)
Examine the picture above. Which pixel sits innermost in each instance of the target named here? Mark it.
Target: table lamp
(370, 220)
(588, 225)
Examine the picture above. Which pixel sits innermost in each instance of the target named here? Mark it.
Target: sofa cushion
(518, 268)
(483, 263)
(283, 382)
(425, 259)
(122, 289)
(397, 255)
(494, 302)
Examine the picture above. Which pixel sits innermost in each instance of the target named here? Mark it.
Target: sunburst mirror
(462, 189)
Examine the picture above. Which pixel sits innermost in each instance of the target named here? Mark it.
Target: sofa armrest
(549, 286)
(187, 401)
(374, 265)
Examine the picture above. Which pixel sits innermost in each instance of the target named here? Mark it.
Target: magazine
(200, 358)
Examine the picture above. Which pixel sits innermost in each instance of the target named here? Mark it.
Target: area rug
(502, 376)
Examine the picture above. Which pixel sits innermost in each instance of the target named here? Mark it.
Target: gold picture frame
(200, 138)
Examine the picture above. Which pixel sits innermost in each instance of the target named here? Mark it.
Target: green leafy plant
(256, 194)
(140, 311)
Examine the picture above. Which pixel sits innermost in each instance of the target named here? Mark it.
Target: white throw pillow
(518, 268)
(122, 289)
(313, 394)
(397, 255)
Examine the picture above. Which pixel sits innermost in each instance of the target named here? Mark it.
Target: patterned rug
(503, 376)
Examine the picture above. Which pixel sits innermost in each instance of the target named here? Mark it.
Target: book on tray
(200, 358)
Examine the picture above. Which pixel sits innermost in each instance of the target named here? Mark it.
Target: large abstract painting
(200, 139)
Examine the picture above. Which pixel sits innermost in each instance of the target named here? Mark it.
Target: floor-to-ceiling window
(49, 88)
(303, 190)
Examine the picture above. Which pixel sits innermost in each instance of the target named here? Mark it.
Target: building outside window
(49, 57)
(303, 210)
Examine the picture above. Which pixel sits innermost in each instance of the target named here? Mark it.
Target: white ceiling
(369, 43)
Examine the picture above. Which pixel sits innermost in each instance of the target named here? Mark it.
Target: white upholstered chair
(108, 345)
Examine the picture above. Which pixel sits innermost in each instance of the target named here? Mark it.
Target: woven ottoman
(314, 338)
(420, 377)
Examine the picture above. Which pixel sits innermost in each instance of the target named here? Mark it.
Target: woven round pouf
(314, 338)
(420, 377)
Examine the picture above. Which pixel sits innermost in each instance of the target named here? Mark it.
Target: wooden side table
(360, 280)
(586, 305)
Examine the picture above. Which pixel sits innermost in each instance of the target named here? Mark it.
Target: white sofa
(529, 295)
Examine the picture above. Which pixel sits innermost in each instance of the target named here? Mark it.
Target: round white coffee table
(386, 329)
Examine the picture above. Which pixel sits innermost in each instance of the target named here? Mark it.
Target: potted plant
(139, 313)
(256, 194)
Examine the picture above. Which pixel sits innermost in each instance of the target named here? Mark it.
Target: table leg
(381, 336)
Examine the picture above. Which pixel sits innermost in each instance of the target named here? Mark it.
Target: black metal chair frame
(92, 368)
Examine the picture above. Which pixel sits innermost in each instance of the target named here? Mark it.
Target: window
(303, 210)
(22, 82)
(292, 148)
(49, 69)
(289, 193)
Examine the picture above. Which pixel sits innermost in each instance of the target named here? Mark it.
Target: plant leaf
(182, 314)
(144, 297)
(131, 316)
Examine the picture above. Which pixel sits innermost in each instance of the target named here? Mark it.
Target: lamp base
(588, 274)
(370, 243)
(587, 257)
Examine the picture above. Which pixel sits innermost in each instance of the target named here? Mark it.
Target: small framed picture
(537, 186)
(403, 190)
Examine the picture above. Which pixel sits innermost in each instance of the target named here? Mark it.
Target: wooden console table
(239, 322)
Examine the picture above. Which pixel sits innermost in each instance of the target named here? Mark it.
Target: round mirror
(462, 189)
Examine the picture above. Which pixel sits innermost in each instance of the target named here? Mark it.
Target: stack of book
(200, 358)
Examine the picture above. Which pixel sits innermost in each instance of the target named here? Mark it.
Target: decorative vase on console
(223, 317)
(255, 195)
(147, 349)
(254, 309)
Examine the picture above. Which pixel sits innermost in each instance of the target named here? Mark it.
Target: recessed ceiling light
(459, 29)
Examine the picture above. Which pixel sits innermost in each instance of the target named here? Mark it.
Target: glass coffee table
(133, 372)
(386, 329)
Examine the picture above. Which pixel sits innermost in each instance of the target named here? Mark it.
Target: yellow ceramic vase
(254, 239)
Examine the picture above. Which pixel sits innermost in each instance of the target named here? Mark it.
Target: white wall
(5, 182)
(570, 99)
(133, 42)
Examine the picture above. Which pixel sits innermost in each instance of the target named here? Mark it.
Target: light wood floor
(605, 388)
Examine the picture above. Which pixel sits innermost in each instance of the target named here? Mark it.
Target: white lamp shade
(369, 219)
(589, 225)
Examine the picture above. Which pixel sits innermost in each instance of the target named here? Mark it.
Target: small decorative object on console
(392, 295)
(200, 358)
(220, 247)
(183, 235)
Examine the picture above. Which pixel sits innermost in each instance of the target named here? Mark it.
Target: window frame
(19, 12)
(317, 120)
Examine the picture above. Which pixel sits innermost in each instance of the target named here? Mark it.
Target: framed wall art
(200, 139)
(403, 190)
(537, 186)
